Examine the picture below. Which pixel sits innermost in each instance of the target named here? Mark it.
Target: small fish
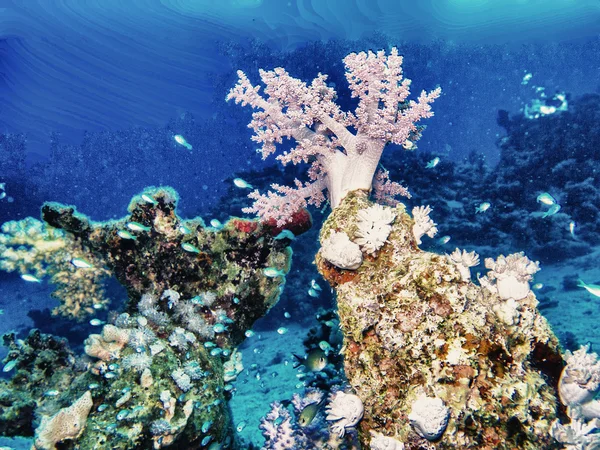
(483, 207)
(52, 393)
(315, 361)
(272, 272)
(9, 366)
(189, 248)
(3, 186)
(282, 330)
(181, 141)
(206, 426)
(149, 199)
(240, 426)
(215, 223)
(219, 328)
(136, 226)
(249, 333)
(285, 234)
(538, 286)
(124, 234)
(313, 292)
(309, 412)
(97, 322)
(526, 78)
(2, 195)
(434, 162)
(184, 230)
(572, 229)
(591, 288)
(444, 240)
(552, 210)
(325, 346)
(546, 199)
(315, 285)
(81, 263)
(242, 184)
(287, 315)
(30, 278)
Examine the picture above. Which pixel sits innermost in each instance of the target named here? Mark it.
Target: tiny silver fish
(444, 240)
(483, 207)
(97, 322)
(81, 263)
(149, 199)
(30, 278)
(242, 184)
(136, 226)
(189, 248)
(181, 141)
(272, 272)
(434, 162)
(124, 234)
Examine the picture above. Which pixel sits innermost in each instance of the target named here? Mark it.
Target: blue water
(92, 93)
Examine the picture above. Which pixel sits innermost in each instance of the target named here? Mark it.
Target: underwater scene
(299, 224)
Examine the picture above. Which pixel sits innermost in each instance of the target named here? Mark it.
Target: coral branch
(343, 148)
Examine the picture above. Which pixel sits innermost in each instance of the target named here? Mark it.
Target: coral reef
(432, 355)
(36, 251)
(155, 374)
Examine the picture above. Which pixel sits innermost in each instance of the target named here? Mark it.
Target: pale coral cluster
(37, 250)
(342, 148)
(423, 225)
(511, 274)
(67, 423)
(578, 387)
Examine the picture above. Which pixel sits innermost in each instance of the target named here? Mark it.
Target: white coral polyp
(580, 382)
(512, 274)
(345, 411)
(382, 442)
(374, 227)
(340, 251)
(429, 417)
(423, 223)
(463, 261)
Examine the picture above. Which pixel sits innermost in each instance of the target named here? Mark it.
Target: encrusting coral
(68, 423)
(415, 327)
(37, 250)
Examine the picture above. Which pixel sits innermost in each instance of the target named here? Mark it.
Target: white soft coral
(512, 274)
(345, 410)
(340, 251)
(374, 227)
(423, 223)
